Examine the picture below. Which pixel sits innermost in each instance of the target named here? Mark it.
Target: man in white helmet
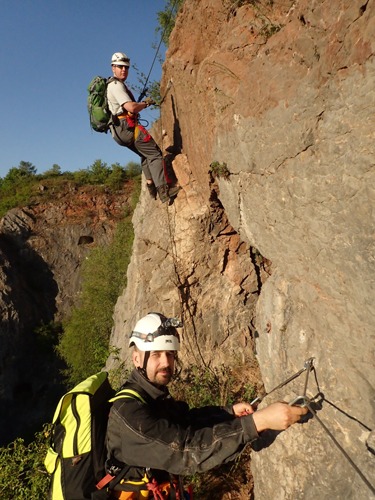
(158, 437)
(126, 130)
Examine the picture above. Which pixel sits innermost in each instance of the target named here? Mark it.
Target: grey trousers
(145, 147)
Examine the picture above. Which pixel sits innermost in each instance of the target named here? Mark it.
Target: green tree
(12, 177)
(116, 177)
(154, 92)
(81, 177)
(98, 172)
(25, 171)
(54, 171)
(84, 344)
(133, 169)
(16, 187)
(26, 168)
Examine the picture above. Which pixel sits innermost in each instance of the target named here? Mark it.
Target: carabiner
(303, 400)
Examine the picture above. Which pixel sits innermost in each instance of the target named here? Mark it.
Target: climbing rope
(145, 88)
(195, 349)
(171, 225)
(304, 400)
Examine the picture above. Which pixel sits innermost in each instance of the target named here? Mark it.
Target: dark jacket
(165, 434)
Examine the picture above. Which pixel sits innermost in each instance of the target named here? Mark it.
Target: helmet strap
(177, 367)
(145, 360)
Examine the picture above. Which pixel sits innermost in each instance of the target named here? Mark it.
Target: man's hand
(278, 416)
(149, 102)
(242, 409)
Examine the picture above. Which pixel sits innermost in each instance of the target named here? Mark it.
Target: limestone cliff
(278, 97)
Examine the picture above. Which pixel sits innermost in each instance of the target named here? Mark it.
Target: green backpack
(97, 104)
(77, 453)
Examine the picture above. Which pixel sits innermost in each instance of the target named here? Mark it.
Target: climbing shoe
(152, 190)
(165, 192)
(172, 191)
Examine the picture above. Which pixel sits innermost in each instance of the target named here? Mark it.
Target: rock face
(279, 100)
(42, 248)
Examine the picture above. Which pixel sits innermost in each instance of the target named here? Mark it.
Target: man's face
(120, 72)
(160, 365)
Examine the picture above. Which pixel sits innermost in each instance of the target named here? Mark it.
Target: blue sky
(49, 52)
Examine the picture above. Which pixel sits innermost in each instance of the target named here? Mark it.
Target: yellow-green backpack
(77, 453)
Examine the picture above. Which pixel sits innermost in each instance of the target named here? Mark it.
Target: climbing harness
(304, 401)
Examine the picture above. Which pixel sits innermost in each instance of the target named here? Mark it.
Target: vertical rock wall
(281, 95)
(188, 261)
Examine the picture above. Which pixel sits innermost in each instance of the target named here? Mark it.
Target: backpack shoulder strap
(86, 387)
(112, 79)
(128, 393)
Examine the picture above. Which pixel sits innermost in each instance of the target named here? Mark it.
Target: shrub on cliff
(84, 344)
(22, 472)
(167, 18)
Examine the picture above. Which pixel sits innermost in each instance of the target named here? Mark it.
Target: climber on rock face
(126, 130)
(160, 438)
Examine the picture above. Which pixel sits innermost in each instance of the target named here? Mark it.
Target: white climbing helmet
(120, 59)
(155, 332)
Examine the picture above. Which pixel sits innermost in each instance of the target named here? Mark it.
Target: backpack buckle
(114, 470)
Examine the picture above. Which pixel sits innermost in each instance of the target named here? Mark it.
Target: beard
(163, 376)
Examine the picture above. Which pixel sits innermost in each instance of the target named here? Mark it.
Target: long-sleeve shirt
(165, 434)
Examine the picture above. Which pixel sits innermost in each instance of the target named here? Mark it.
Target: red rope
(154, 487)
